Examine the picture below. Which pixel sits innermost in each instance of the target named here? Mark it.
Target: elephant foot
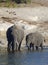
(13, 51)
(29, 48)
(41, 48)
(19, 48)
(8, 49)
(36, 47)
(33, 48)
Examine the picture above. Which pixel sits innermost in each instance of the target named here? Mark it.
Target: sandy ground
(35, 16)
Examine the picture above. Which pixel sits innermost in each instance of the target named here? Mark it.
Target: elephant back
(37, 38)
(18, 33)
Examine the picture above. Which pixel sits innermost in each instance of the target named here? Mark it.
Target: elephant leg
(41, 47)
(16, 46)
(9, 46)
(12, 46)
(32, 45)
(29, 48)
(19, 46)
(36, 47)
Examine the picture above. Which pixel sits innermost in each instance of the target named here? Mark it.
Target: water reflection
(11, 59)
(25, 58)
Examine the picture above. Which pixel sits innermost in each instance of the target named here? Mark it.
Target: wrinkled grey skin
(34, 40)
(15, 36)
(18, 34)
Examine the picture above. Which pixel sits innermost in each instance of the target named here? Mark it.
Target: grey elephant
(15, 36)
(34, 40)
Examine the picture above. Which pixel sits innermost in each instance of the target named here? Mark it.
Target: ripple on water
(25, 58)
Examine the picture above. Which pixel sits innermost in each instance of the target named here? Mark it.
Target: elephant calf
(15, 36)
(34, 40)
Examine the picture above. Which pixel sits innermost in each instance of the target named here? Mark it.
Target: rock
(3, 28)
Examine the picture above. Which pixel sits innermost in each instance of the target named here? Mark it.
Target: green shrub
(17, 1)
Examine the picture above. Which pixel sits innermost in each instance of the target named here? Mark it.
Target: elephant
(35, 39)
(15, 36)
(10, 39)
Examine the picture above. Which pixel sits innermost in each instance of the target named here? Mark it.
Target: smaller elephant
(34, 40)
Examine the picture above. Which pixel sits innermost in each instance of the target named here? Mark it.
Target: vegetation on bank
(14, 3)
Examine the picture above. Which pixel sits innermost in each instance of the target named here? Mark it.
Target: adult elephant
(15, 36)
(34, 40)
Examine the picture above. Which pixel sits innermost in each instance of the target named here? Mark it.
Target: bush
(17, 1)
(2, 0)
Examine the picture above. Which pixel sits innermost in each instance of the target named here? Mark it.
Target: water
(25, 58)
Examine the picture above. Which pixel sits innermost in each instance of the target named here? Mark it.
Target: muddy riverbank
(29, 16)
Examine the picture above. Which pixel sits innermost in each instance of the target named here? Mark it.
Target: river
(25, 58)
